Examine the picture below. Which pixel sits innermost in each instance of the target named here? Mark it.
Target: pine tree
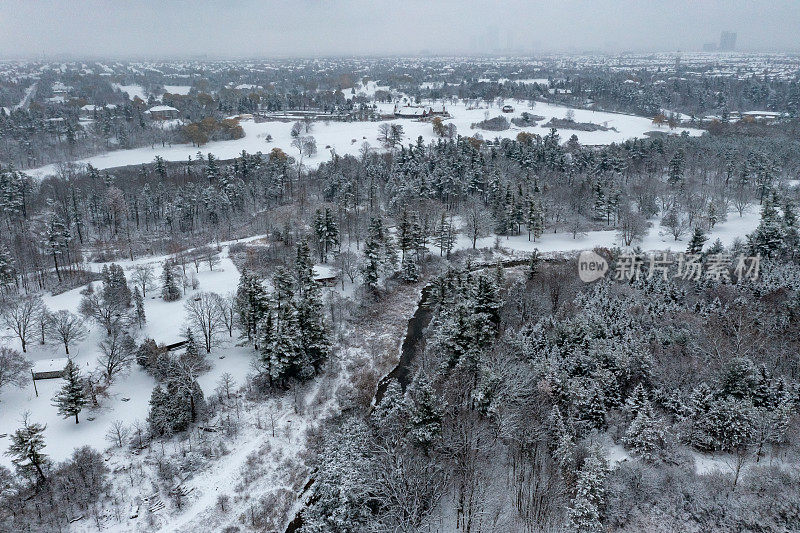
(308, 305)
(767, 239)
(251, 303)
(676, 168)
(282, 352)
(331, 231)
(410, 270)
(192, 352)
(697, 241)
(115, 285)
(70, 399)
(445, 239)
(645, 435)
(535, 219)
(584, 514)
(373, 257)
(7, 271)
(26, 448)
(790, 229)
(169, 288)
(55, 239)
(405, 236)
(138, 302)
(533, 263)
(637, 401)
(391, 414)
(158, 417)
(426, 415)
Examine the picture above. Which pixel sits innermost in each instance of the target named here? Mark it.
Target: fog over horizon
(314, 28)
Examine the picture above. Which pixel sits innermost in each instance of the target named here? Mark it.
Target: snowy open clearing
(657, 238)
(348, 137)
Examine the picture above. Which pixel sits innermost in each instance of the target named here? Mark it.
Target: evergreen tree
(138, 302)
(790, 230)
(391, 414)
(7, 271)
(410, 270)
(533, 263)
(534, 219)
(70, 399)
(251, 303)
(645, 435)
(585, 512)
(331, 236)
(373, 258)
(308, 304)
(280, 344)
(697, 241)
(192, 352)
(676, 168)
(426, 415)
(637, 401)
(169, 288)
(320, 230)
(176, 407)
(713, 218)
(405, 235)
(445, 238)
(767, 239)
(115, 285)
(26, 448)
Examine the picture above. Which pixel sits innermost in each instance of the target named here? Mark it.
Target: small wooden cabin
(49, 368)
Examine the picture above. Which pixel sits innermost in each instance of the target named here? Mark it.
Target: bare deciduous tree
(203, 314)
(225, 385)
(107, 312)
(227, 311)
(143, 277)
(19, 315)
(13, 367)
(117, 353)
(66, 328)
(118, 433)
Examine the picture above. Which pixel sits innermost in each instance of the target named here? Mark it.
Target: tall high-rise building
(727, 42)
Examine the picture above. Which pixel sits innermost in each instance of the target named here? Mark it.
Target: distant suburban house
(59, 89)
(162, 112)
(413, 111)
(508, 108)
(89, 110)
(761, 115)
(49, 368)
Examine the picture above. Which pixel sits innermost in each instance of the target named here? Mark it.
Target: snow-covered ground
(133, 90)
(130, 394)
(657, 239)
(348, 137)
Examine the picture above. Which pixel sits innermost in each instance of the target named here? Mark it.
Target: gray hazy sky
(277, 28)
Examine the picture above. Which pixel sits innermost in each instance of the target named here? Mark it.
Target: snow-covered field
(657, 238)
(133, 90)
(348, 137)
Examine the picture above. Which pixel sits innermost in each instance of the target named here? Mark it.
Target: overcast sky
(278, 28)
